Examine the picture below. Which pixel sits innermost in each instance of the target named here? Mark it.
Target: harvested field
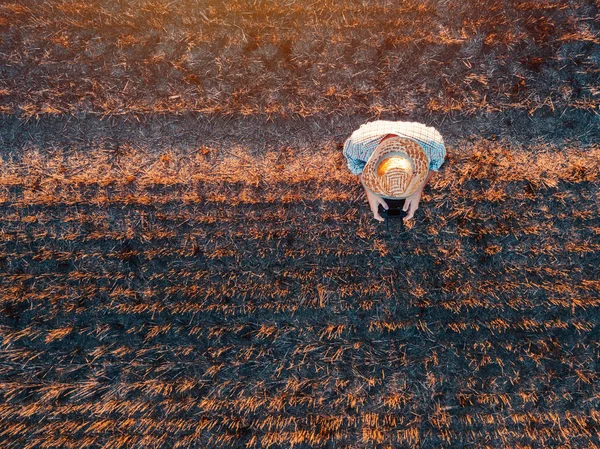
(186, 261)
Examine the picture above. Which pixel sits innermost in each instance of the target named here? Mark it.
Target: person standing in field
(394, 161)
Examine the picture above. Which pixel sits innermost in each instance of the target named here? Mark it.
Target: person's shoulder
(376, 126)
(408, 128)
(423, 130)
(415, 124)
(401, 124)
(380, 123)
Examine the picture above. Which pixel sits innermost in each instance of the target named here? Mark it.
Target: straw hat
(396, 168)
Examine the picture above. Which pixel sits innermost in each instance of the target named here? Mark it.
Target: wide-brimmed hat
(396, 168)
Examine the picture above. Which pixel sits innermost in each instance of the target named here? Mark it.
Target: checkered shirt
(361, 144)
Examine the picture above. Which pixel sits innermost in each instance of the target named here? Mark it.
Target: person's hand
(411, 204)
(374, 202)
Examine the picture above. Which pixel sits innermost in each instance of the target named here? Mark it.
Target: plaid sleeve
(437, 155)
(433, 144)
(351, 152)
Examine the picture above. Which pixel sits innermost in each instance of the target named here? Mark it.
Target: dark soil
(155, 294)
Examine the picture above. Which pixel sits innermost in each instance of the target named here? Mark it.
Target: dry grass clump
(221, 294)
(308, 58)
(220, 298)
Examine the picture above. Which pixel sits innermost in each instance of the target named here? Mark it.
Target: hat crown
(395, 172)
(395, 163)
(396, 168)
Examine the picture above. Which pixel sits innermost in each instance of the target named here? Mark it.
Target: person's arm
(360, 178)
(412, 202)
(429, 176)
(373, 200)
(367, 191)
(355, 165)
